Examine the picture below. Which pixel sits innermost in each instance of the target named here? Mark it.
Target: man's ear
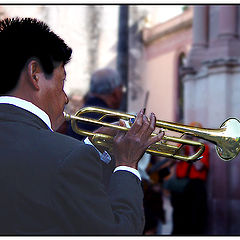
(34, 70)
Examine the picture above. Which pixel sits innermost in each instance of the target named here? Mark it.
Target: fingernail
(142, 111)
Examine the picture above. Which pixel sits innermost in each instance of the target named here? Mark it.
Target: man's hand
(129, 147)
(109, 131)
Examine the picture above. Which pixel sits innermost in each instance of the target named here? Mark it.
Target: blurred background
(181, 62)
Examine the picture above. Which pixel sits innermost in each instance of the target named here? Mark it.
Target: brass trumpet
(226, 138)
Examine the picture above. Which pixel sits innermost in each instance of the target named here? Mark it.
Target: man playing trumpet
(52, 184)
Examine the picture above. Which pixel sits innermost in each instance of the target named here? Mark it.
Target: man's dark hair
(22, 39)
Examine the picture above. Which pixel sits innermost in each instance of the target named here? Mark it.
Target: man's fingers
(147, 127)
(122, 123)
(137, 123)
(152, 124)
(143, 128)
(106, 130)
(109, 130)
(120, 133)
(156, 138)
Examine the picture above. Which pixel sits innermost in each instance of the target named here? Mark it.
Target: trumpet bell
(228, 143)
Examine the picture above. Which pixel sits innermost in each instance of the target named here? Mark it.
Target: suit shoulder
(60, 139)
(66, 146)
(75, 148)
(82, 159)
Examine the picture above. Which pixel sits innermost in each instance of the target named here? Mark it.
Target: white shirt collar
(27, 106)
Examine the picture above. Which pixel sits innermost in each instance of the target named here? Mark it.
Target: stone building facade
(211, 95)
(208, 38)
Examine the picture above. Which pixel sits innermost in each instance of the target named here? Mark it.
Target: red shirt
(182, 166)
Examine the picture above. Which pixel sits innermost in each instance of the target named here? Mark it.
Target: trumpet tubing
(226, 138)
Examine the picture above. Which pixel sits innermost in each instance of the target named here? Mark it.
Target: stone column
(228, 22)
(200, 26)
(218, 78)
(200, 36)
(227, 45)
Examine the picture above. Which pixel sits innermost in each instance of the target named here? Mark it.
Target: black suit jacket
(52, 184)
(93, 101)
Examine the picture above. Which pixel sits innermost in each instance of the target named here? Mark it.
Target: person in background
(158, 170)
(190, 205)
(105, 91)
(51, 184)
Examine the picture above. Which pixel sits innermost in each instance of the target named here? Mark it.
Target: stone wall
(211, 95)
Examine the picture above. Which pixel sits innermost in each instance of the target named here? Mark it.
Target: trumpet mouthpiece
(67, 116)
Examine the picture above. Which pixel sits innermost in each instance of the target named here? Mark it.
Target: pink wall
(160, 83)
(162, 49)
